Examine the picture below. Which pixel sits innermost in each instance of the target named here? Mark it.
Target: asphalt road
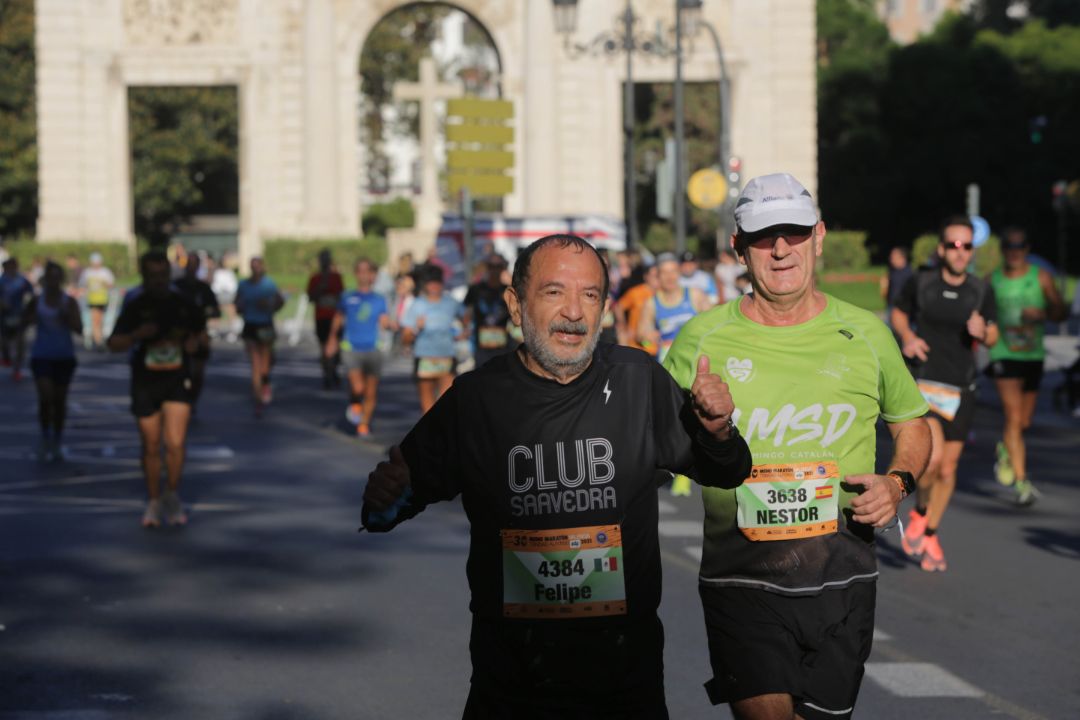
(271, 606)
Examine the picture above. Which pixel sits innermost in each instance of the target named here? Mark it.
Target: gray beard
(537, 347)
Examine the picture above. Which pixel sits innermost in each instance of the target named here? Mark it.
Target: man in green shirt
(788, 569)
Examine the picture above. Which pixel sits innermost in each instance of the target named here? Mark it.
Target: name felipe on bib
(570, 572)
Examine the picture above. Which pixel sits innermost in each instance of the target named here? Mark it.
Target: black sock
(356, 399)
(266, 380)
(921, 510)
(930, 532)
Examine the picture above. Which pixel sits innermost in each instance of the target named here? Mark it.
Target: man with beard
(939, 316)
(560, 487)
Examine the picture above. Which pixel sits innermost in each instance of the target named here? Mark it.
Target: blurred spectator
(726, 270)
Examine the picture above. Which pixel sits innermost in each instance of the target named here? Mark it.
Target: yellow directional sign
(481, 185)
(482, 134)
(707, 189)
(477, 134)
(482, 109)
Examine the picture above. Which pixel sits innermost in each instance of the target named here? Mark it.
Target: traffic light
(734, 168)
(1037, 126)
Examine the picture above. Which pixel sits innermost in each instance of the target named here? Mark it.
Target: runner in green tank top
(788, 557)
(1027, 298)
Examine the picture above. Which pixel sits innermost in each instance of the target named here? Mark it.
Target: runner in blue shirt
(361, 313)
(257, 299)
(52, 357)
(15, 290)
(432, 325)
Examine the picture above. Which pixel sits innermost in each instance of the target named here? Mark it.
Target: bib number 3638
(570, 572)
(788, 502)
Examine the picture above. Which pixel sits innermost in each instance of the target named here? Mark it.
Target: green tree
(853, 54)
(184, 156)
(18, 131)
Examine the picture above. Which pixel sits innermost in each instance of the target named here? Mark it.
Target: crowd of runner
(630, 370)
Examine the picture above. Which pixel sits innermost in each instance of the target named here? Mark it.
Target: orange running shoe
(363, 430)
(912, 539)
(933, 559)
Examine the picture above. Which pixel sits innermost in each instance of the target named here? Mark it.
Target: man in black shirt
(200, 293)
(939, 316)
(557, 450)
(486, 312)
(163, 330)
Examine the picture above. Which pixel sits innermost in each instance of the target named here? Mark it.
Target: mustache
(573, 328)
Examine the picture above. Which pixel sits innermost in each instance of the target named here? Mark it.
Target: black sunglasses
(958, 246)
(765, 239)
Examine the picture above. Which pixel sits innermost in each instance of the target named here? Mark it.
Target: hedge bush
(845, 251)
(394, 214)
(987, 257)
(114, 254)
(293, 255)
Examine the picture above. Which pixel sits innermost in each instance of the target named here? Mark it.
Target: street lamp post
(623, 39)
(723, 139)
(627, 41)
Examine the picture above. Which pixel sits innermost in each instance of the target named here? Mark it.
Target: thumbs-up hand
(712, 401)
(976, 326)
(387, 481)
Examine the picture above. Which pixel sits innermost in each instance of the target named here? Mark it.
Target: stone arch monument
(295, 66)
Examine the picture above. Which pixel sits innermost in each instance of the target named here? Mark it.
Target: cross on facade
(426, 92)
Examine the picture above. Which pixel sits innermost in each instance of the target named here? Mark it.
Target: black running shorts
(810, 647)
(567, 669)
(149, 391)
(58, 370)
(956, 430)
(259, 333)
(1030, 371)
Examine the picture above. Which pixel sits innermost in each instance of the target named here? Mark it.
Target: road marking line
(881, 636)
(117, 503)
(919, 680)
(665, 507)
(694, 551)
(104, 477)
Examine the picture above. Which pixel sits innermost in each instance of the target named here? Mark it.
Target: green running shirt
(1020, 339)
(807, 400)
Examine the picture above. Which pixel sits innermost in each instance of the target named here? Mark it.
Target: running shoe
(267, 394)
(363, 430)
(152, 517)
(912, 539)
(1003, 469)
(354, 414)
(933, 559)
(1026, 494)
(173, 508)
(680, 486)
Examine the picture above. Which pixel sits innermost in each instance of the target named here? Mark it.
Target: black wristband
(905, 477)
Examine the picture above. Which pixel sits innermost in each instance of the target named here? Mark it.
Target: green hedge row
(114, 254)
(294, 255)
(845, 251)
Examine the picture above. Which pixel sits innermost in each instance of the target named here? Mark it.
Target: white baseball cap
(770, 200)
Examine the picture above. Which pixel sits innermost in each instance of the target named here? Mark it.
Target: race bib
(265, 334)
(1021, 338)
(491, 336)
(943, 399)
(573, 572)
(164, 356)
(789, 502)
(428, 368)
